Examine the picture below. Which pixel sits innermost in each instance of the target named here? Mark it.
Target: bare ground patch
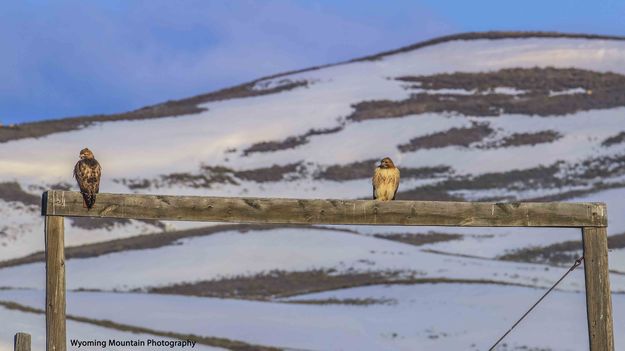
(290, 142)
(613, 140)
(364, 169)
(599, 168)
(98, 223)
(559, 253)
(514, 180)
(12, 191)
(452, 137)
(535, 80)
(279, 283)
(134, 183)
(208, 176)
(269, 174)
(59, 186)
(522, 139)
(90, 223)
(419, 239)
(602, 91)
(354, 302)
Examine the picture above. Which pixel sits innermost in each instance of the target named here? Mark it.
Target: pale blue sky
(77, 57)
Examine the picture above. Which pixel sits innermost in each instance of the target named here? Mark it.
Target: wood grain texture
(300, 211)
(55, 284)
(598, 299)
(22, 342)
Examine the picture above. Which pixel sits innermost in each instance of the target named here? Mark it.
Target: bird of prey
(87, 173)
(385, 180)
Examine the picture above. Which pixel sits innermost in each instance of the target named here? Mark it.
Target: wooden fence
(591, 218)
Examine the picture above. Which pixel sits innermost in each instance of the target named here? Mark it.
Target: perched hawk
(385, 180)
(87, 173)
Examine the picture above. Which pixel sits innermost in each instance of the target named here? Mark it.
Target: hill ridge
(187, 106)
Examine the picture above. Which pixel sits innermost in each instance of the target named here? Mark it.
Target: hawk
(87, 173)
(385, 180)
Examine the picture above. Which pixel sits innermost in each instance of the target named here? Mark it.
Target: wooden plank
(300, 211)
(22, 342)
(55, 284)
(598, 299)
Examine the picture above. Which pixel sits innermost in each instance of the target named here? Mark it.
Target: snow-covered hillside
(527, 118)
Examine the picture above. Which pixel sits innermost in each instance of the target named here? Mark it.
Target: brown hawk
(385, 180)
(87, 173)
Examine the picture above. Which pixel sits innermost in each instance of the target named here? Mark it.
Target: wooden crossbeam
(314, 211)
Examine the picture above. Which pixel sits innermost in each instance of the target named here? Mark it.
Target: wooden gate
(591, 218)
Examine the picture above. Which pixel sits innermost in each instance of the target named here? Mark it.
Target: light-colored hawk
(385, 180)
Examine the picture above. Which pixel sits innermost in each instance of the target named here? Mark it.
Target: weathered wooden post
(598, 299)
(55, 284)
(21, 342)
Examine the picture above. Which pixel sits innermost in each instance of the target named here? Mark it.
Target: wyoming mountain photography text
(112, 343)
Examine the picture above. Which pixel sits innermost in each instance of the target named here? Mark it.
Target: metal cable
(575, 265)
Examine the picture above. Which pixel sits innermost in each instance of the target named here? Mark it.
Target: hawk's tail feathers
(89, 199)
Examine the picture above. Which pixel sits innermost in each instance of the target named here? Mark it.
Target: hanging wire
(575, 265)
